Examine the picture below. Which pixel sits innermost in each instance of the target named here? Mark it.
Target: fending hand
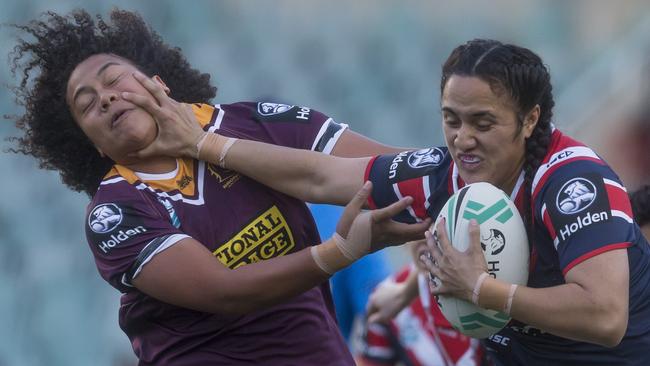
(178, 131)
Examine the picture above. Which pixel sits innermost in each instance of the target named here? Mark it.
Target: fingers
(442, 236)
(405, 232)
(142, 101)
(432, 245)
(352, 209)
(474, 235)
(152, 87)
(392, 210)
(359, 199)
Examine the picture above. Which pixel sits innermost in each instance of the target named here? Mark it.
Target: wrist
(329, 257)
(495, 295)
(214, 147)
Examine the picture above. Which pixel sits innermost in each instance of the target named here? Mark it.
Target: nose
(106, 99)
(465, 138)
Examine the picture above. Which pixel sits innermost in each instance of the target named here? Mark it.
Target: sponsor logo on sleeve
(266, 236)
(109, 226)
(413, 164)
(104, 218)
(425, 157)
(580, 203)
(282, 112)
(269, 109)
(575, 195)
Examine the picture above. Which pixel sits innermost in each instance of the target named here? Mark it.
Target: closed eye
(86, 108)
(114, 80)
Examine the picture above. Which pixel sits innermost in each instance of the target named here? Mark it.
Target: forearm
(567, 310)
(306, 175)
(188, 275)
(269, 282)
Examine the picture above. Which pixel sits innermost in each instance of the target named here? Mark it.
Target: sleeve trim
(328, 136)
(154, 247)
(594, 253)
(366, 177)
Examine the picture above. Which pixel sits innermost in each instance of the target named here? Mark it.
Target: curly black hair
(60, 43)
(640, 200)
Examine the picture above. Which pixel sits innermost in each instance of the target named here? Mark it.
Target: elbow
(611, 328)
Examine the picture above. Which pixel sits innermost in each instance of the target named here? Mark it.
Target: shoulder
(566, 158)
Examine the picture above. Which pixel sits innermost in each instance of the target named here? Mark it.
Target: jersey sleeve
(280, 124)
(586, 211)
(422, 174)
(124, 231)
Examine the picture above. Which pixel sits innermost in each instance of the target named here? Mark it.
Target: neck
(154, 165)
(510, 184)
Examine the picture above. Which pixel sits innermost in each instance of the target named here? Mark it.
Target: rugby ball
(504, 243)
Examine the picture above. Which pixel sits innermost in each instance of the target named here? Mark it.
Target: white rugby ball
(504, 243)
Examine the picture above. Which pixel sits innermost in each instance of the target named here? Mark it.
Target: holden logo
(104, 218)
(494, 242)
(575, 195)
(268, 109)
(425, 157)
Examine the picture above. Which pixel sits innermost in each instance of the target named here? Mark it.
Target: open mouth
(469, 161)
(119, 116)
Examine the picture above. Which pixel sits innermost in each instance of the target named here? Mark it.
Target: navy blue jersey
(580, 209)
(135, 216)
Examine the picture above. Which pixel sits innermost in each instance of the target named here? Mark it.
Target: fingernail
(473, 222)
(126, 95)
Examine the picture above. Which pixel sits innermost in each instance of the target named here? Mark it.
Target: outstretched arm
(306, 175)
(188, 275)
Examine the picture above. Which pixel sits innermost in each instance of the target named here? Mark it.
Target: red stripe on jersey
(549, 224)
(376, 339)
(366, 177)
(594, 253)
(618, 199)
(549, 172)
(414, 188)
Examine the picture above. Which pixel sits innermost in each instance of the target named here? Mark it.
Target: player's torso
(239, 220)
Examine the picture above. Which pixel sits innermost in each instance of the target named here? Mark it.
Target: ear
(530, 121)
(160, 81)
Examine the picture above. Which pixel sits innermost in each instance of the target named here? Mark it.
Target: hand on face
(178, 130)
(457, 271)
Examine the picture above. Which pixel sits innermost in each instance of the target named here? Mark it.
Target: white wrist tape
(320, 262)
(477, 287)
(511, 295)
(199, 143)
(224, 151)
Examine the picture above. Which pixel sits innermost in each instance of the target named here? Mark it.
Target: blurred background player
(419, 334)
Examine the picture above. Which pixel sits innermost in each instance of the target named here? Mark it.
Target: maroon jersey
(133, 216)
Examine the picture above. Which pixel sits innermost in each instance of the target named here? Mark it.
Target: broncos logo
(267, 109)
(104, 218)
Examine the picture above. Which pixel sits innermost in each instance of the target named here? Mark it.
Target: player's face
(481, 132)
(115, 126)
